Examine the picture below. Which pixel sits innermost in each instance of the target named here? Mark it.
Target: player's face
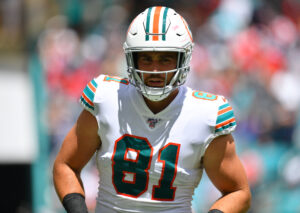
(157, 61)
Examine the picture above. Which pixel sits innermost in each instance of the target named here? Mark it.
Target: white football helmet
(158, 29)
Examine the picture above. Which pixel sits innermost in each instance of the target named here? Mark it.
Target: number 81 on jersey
(138, 168)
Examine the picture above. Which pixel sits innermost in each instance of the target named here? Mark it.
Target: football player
(152, 135)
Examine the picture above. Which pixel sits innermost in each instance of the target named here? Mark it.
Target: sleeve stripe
(232, 120)
(85, 103)
(224, 110)
(226, 126)
(87, 99)
(89, 93)
(224, 106)
(225, 117)
(91, 87)
(94, 84)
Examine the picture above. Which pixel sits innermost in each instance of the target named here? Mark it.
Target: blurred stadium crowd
(246, 50)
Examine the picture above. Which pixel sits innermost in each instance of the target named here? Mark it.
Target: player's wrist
(215, 211)
(74, 203)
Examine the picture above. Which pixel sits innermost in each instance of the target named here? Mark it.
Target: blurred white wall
(18, 137)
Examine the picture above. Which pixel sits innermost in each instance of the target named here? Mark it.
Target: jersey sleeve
(88, 96)
(225, 120)
(220, 120)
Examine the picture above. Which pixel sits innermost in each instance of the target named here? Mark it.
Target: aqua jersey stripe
(164, 23)
(86, 103)
(89, 93)
(224, 106)
(148, 23)
(94, 83)
(226, 126)
(224, 117)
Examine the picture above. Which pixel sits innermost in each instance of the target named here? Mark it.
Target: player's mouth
(155, 82)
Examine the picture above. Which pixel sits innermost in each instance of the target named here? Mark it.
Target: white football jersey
(151, 162)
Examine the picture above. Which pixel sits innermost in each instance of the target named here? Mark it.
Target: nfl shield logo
(152, 122)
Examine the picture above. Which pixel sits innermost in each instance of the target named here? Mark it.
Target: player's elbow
(247, 199)
(59, 169)
(56, 170)
(62, 169)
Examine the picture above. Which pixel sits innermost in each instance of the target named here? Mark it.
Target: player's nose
(156, 66)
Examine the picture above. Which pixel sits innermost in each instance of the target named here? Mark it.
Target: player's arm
(77, 149)
(226, 172)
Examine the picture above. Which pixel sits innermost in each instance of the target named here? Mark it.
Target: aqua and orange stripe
(87, 97)
(158, 23)
(227, 109)
(226, 126)
(225, 123)
(225, 118)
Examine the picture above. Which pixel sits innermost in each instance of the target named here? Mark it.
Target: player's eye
(145, 60)
(166, 60)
